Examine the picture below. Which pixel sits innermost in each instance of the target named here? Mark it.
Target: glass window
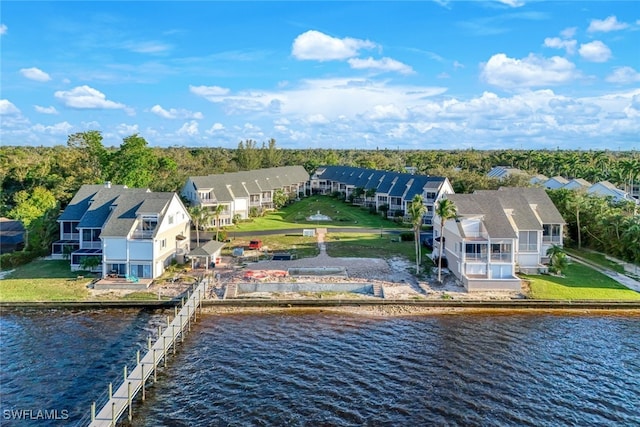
(528, 241)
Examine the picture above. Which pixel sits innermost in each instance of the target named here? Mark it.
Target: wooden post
(142, 379)
(129, 399)
(93, 411)
(175, 311)
(181, 331)
(173, 330)
(149, 342)
(164, 350)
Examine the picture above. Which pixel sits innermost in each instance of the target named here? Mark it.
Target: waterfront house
(240, 192)
(393, 189)
(498, 233)
(128, 232)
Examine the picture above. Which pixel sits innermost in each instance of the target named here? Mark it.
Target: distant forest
(38, 181)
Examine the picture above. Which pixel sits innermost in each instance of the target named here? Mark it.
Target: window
(528, 241)
(551, 233)
(170, 219)
(501, 252)
(163, 243)
(69, 227)
(475, 252)
(149, 223)
(140, 270)
(91, 234)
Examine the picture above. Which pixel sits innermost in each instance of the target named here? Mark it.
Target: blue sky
(508, 74)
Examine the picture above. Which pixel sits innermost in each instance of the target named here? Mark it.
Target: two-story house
(497, 234)
(128, 231)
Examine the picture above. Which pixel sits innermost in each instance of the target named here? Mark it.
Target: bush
(18, 258)
(407, 237)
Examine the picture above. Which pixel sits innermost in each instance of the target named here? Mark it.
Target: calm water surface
(319, 369)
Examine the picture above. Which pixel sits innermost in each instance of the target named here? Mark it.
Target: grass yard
(43, 280)
(297, 244)
(369, 245)
(596, 258)
(295, 216)
(580, 283)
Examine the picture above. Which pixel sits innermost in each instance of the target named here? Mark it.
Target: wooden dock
(121, 400)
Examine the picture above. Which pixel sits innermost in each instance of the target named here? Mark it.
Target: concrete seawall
(322, 302)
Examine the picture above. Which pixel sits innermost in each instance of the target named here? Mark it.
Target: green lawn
(368, 245)
(295, 216)
(42, 280)
(297, 244)
(580, 283)
(596, 258)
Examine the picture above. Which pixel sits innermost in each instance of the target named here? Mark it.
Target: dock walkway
(134, 382)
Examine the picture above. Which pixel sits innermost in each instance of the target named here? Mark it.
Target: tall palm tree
(199, 216)
(445, 210)
(416, 211)
(216, 212)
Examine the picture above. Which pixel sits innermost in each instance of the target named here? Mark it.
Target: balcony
(143, 234)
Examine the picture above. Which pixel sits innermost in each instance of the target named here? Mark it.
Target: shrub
(18, 258)
(406, 237)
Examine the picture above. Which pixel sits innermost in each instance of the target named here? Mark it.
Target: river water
(327, 369)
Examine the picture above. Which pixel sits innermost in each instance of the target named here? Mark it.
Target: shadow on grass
(46, 269)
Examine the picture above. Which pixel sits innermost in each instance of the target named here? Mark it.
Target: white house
(607, 189)
(577, 184)
(502, 172)
(555, 182)
(497, 234)
(131, 231)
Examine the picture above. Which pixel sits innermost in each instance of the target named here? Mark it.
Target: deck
(121, 283)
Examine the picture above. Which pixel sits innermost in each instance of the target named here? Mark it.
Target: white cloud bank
(86, 97)
(174, 113)
(46, 110)
(606, 25)
(532, 71)
(7, 108)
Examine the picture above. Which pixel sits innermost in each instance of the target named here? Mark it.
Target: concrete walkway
(623, 279)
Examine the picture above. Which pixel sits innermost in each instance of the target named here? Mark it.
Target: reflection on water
(336, 369)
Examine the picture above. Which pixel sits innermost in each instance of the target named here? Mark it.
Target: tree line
(39, 181)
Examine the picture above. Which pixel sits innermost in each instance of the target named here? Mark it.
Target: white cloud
(63, 128)
(512, 3)
(568, 33)
(211, 93)
(316, 119)
(7, 108)
(605, 25)
(147, 47)
(36, 74)
(189, 129)
(595, 51)
(558, 43)
(126, 130)
(532, 71)
(623, 75)
(384, 64)
(3, 29)
(86, 97)
(46, 110)
(321, 47)
(173, 113)
(216, 128)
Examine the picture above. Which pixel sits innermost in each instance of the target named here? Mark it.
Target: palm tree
(557, 258)
(216, 212)
(417, 209)
(445, 210)
(199, 216)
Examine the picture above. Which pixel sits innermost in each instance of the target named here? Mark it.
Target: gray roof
(130, 205)
(243, 183)
(530, 208)
(79, 204)
(207, 249)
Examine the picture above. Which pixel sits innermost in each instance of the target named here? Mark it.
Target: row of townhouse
(498, 233)
(127, 231)
(602, 188)
(393, 189)
(239, 192)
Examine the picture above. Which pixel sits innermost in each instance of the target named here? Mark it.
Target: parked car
(255, 244)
